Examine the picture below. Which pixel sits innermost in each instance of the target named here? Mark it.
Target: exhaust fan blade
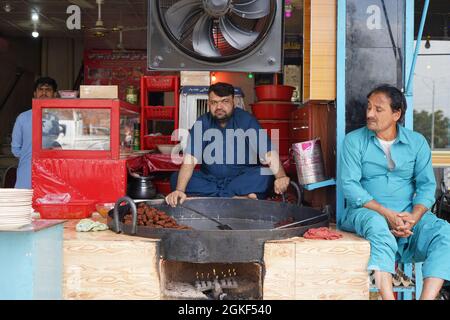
(180, 13)
(235, 36)
(202, 40)
(251, 9)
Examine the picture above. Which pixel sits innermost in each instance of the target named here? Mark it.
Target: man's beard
(223, 119)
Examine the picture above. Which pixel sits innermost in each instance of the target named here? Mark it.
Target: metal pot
(139, 187)
(252, 222)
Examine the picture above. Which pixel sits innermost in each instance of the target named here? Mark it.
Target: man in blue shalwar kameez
(231, 148)
(389, 185)
(44, 88)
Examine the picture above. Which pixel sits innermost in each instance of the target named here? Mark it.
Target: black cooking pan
(253, 223)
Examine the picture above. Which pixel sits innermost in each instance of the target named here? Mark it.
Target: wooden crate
(299, 268)
(106, 265)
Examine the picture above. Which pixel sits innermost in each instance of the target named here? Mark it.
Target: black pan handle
(299, 193)
(129, 201)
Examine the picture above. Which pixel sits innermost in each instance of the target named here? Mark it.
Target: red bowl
(282, 126)
(272, 111)
(274, 92)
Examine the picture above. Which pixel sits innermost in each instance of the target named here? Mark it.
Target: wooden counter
(106, 265)
(300, 268)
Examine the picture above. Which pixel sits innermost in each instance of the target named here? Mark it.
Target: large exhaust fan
(227, 35)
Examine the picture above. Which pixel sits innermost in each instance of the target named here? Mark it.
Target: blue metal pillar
(340, 102)
(411, 55)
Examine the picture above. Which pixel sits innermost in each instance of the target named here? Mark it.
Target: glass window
(76, 129)
(129, 122)
(432, 93)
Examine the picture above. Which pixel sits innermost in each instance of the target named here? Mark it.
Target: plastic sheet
(54, 198)
(148, 163)
(98, 180)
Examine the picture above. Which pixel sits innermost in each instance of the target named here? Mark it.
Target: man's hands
(281, 184)
(401, 223)
(272, 159)
(172, 198)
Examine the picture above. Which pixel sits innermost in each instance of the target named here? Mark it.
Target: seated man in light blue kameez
(389, 186)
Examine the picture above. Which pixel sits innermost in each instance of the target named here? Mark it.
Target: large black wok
(252, 222)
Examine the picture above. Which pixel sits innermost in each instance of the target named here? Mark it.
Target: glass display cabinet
(80, 150)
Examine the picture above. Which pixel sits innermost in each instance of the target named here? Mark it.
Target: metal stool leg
(407, 270)
(419, 279)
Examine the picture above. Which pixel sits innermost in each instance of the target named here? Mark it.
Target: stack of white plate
(15, 208)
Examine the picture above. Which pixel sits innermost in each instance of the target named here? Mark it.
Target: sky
(429, 68)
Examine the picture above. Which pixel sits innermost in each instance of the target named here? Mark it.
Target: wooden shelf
(319, 49)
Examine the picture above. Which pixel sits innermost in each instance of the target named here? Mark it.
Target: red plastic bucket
(283, 145)
(274, 92)
(282, 126)
(272, 111)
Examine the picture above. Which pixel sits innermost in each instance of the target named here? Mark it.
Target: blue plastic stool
(407, 293)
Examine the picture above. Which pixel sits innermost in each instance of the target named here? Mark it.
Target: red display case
(80, 151)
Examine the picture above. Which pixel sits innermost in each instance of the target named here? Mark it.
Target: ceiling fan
(99, 30)
(82, 4)
(121, 29)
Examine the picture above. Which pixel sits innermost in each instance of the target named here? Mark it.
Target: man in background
(21, 145)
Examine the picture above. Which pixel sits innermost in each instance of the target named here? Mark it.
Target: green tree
(422, 124)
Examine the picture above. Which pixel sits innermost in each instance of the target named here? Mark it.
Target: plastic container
(272, 111)
(284, 146)
(168, 148)
(68, 94)
(159, 83)
(159, 112)
(282, 126)
(274, 92)
(163, 186)
(309, 161)
(75, 209)
(150, 142)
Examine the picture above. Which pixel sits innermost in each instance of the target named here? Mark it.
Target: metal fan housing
(215, 35)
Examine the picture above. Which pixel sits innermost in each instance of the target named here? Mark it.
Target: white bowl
(68, 94)
(166, 148)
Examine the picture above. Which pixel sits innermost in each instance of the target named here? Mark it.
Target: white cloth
(386, 145)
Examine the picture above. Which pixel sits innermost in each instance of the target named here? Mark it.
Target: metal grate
(202, 107)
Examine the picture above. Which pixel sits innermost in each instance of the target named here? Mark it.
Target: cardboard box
(195, 78)
(99, 92)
